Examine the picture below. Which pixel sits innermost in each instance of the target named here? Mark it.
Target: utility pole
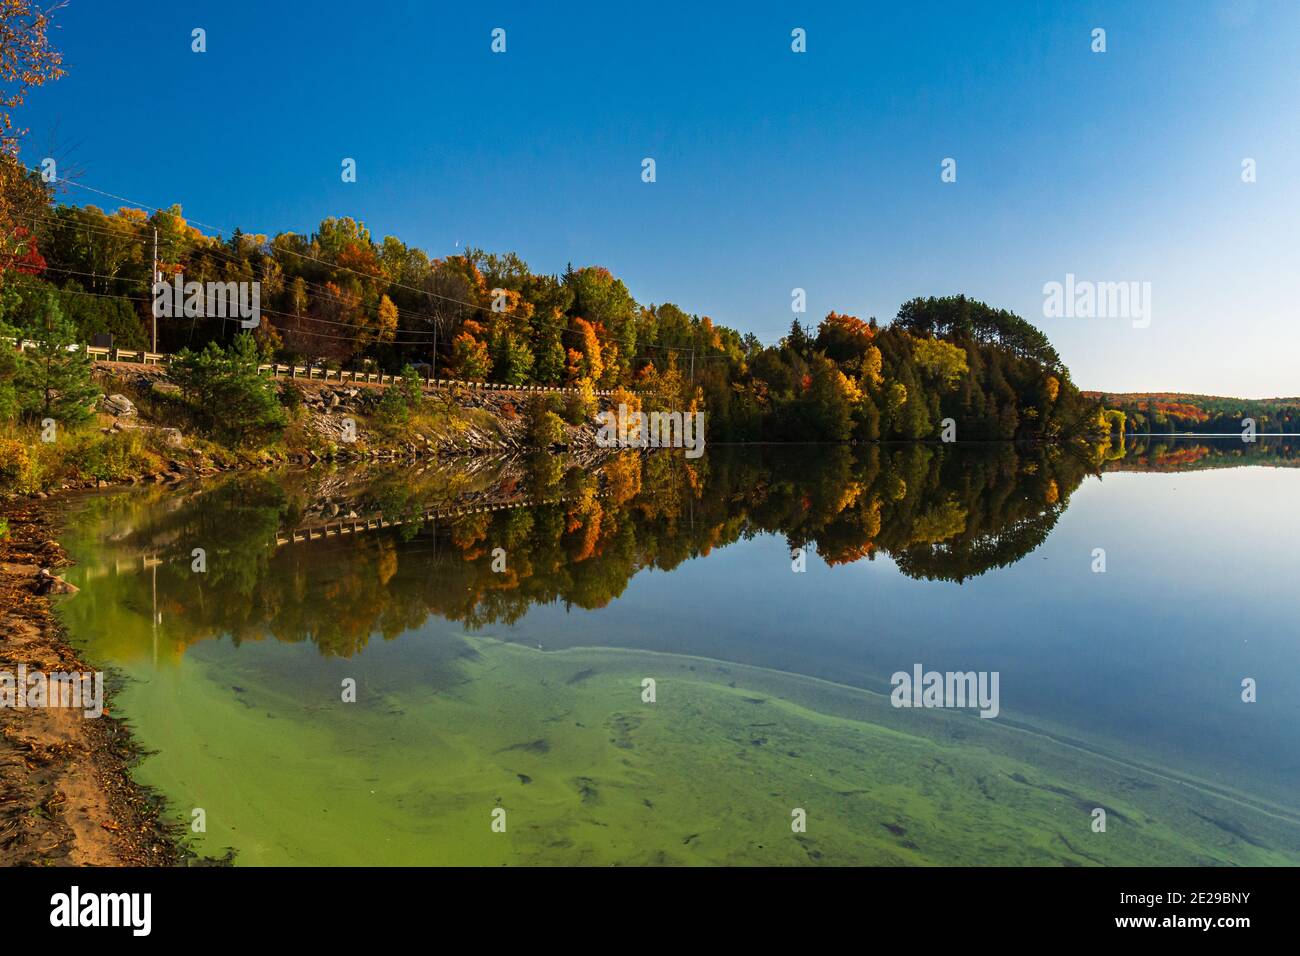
(692, 365)
(153, 292)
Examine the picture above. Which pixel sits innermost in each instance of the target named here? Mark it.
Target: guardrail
(312, 373)
(382, 378)
(138, 356)
(105, 354)
(344, 526)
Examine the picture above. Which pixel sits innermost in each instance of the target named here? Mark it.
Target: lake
(639, 660)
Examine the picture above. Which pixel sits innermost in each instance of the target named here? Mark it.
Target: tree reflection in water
(577, 532)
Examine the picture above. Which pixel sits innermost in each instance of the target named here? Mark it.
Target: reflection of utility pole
(155, 613)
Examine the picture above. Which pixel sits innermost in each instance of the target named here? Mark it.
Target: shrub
(401, 400)
(18, 470)
(580, 406)
(291, 396)
(410, 387)
(392, 408)
(109, 457)
(228, 396)
(545, 428)
(8, 374)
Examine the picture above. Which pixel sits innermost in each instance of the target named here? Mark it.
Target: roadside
(142, 430)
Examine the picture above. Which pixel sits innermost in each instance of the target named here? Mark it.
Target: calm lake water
(500, 626)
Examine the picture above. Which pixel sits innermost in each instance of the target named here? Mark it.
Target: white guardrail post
(141, 356)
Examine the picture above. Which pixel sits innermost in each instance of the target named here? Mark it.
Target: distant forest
(1168, 412)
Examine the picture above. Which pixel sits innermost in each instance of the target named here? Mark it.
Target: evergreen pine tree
(53, 378)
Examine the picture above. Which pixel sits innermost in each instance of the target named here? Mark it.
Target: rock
(171, 437)
(165, 388)
(117, 405)
(47, 583)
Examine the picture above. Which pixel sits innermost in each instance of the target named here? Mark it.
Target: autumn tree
(942, 361)
(584, 356)
(843, 337)
(604, 302)
(27, 60)
(386, 320)
(469, 353)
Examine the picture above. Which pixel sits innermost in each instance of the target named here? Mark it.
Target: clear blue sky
(775, 169)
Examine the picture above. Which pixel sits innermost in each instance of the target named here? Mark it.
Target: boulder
(47, 583)
(117, 405)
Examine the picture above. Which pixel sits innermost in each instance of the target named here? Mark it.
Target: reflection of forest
(941, 512)
(1171, 453)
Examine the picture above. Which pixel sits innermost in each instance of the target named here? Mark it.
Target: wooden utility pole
(153, 293)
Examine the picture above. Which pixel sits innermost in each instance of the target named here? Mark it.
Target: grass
(438, 419)
(29, 465)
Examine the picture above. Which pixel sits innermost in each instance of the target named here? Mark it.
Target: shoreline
(67, 797)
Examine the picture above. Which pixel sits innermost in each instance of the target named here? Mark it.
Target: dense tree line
(1181, 453)
(850, 379)
(1168, 412)
(340, 296)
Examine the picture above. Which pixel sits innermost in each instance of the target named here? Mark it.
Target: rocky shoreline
(67, 797)
(328, 408)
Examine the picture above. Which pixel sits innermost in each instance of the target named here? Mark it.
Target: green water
(522, 690)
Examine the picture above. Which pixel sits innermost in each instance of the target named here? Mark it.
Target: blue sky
(775, 170)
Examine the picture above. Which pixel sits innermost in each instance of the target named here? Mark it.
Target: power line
(131, 298)
(393, 283)
(217, 252)
(313, 286)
